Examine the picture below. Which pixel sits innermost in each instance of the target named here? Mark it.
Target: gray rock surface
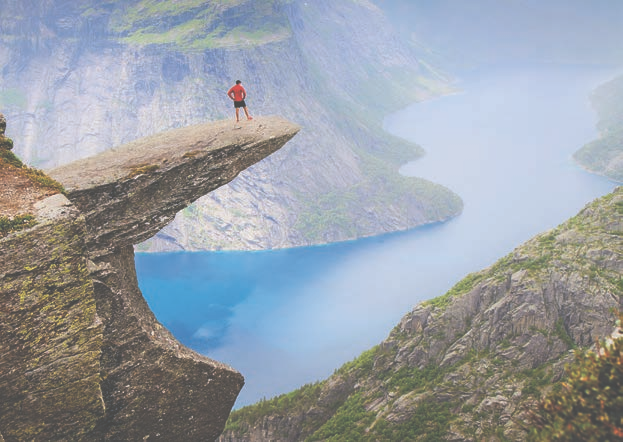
(50, 333)
(131, 192)
(82, 357)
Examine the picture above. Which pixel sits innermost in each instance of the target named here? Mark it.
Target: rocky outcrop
(81, 355)
(468, 365)
(128, 194)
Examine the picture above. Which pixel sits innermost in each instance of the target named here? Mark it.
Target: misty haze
(418, 262)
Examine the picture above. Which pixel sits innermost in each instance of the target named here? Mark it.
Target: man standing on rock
(238, 94)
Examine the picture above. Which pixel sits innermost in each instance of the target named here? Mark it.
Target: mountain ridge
(468, 365)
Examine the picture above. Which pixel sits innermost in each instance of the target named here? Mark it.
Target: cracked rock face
(82, 357)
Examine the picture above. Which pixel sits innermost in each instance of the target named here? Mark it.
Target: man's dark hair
(238, 81)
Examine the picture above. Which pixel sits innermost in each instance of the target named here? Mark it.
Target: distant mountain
(81, 77)
(604, 156)
(467, 34)
(470, 364)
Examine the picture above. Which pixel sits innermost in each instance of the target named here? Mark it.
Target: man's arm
(244, 93)
(230, 93)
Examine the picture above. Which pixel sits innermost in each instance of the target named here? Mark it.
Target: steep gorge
(470, 364)
(80, 79)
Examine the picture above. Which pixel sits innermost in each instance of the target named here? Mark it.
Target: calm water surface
(288, 317)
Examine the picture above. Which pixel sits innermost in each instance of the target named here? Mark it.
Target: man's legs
(237, 114)
(247, 113)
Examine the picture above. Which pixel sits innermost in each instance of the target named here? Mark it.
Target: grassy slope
(604, 156)
(195, 25)
(13, 165)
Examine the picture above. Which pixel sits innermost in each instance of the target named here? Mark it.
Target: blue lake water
(287, 317)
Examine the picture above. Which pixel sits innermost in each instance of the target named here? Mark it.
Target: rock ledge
(82, 357)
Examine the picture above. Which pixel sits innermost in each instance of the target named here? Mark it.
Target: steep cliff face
(51, 334)
(604, 156)
(81, 355)
(468, 365)
(116, 70)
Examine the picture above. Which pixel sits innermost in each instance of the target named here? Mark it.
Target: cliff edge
(81, 355)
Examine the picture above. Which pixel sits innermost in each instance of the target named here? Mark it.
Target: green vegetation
(44, 181)
(605, 155)
(462, 287)
(347, 417)
(600, 156)
(362, 364)
(500, 270)
(429, 423)
(383, 188)
(10, 158)
(49, 308)
(297, 400)
(535, 379)
(348, 423)
(15, 224)
(330, 212)
(196, 25)
(6, 143)
(35, 175)
(428, 419)
(536, 258)
(409, 379)
(589, 407)
(561, 333)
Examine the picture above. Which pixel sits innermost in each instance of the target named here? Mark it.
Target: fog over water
(287, 317)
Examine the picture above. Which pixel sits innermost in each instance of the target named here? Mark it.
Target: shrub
(35, 175)
(589, 407)
(8, 225)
